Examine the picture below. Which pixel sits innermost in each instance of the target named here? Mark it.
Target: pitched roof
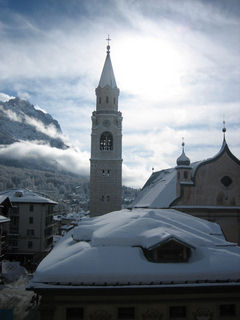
(25, 196)
(114, 242)
(159, 191)
(107, 76)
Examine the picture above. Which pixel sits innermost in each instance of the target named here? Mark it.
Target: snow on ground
(14, 296)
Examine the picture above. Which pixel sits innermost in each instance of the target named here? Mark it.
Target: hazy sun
(149, 67)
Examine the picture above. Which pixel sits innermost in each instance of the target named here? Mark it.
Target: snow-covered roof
(107, 76)
(159, 191)
(107, 250)
(3, 197)
(3, 219)
(25, 196)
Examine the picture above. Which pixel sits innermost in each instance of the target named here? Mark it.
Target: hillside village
(185, 218)
(75, 243)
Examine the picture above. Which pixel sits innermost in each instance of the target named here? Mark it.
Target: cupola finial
(183, 143)
(224, 129)
(183, 160)
(108, 46)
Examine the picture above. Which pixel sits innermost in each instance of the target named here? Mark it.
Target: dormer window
(171, 250)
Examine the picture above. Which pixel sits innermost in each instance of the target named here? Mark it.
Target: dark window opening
(170, 251)
(31, 207)
(30, 232)
(74, 313)
(227, 310)
(177, 312)
(106, 141)
(108, 198)
(185, 174)
(99, 100)
(126, 313)
(30, 244)
(30, 220)
(107, 99)
(102, 198)
(226, 181)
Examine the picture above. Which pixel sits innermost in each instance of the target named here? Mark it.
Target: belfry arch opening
(106, 141)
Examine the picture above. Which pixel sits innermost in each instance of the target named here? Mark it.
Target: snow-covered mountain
(21, 121)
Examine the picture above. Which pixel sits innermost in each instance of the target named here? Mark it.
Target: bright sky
(176, 64)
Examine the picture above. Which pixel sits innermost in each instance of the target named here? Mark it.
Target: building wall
(210, 199)
(106, 165)
(208, 190)
(204, 304)
(33, 227)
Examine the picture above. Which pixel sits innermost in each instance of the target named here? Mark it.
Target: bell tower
(106, 145)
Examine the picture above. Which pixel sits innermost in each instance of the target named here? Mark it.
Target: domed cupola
(183, 160)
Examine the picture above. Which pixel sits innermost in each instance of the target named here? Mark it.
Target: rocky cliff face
(20, 120)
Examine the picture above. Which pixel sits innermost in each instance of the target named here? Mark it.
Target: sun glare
(154, 67)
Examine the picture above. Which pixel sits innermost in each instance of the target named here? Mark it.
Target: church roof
(159, 191)
(107, 76)
(114, 243)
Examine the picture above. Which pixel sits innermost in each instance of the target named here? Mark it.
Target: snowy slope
(20, 120)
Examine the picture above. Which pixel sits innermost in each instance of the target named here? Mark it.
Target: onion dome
(183, 160)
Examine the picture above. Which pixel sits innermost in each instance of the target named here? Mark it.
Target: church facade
(106, 146)
(207, 189)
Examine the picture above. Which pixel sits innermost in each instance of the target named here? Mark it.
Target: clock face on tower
(106, 123)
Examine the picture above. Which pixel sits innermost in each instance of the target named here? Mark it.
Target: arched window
(106, 141)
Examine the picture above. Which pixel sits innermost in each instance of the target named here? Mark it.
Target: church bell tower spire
(106, 145)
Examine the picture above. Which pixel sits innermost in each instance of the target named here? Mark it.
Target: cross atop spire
(108, 46)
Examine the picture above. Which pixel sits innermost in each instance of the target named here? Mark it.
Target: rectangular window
(126, 313)
(227, 310)
(30, 232)
(30, 244)
(177, 312)
(74, 313)
(30, 220)
(15, 220)
(31, 207)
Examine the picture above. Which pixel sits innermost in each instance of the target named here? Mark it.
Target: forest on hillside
(70, 191)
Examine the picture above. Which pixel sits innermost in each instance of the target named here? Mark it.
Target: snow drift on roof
(25, 196)
(108, 249)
